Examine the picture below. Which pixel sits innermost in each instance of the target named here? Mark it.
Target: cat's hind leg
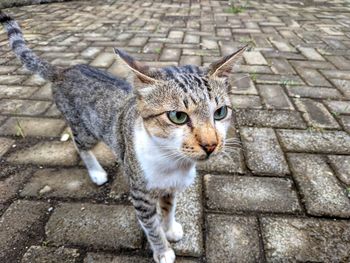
(84, 142)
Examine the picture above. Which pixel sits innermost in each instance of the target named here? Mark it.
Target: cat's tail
(26, 55)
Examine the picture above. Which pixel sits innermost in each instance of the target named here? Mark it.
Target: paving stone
(281, 66)
(26, 107)
(20, 226)
(10, 185)
(242, 84)
(313, 77)
(337, 74)
(189, 215)
(341, 164)
(263, 153)
(46, 153)
(44, 93)
(313, 92)
(340, 62)
(169, 54)
(343, 86)
(209, 44)
(345, 120)
(94, 225)
(26, 126)
(103, 60)
(91, 52)
(73, 183)
(35, 80)
(316, 114)
(190, 60)
(247, 194)
(282, 46)
(270, 118)
(106, 258)
(315, 142)
(38, 254)
(242, 101)
(342, 107)
(138, 41)
(120, 187)
(322, 194)
(306, 240)
(274, 97)
(254, 58)
(104, 155)
(11, 79)
(53, 111)
(228, 162)
(193, 39)
(20, 92)
(310, 53)
(233, 239)
(311, 64)
(176, 34)
(5, 145)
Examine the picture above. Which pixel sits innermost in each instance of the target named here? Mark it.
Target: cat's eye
(220, 113)
(178, 117)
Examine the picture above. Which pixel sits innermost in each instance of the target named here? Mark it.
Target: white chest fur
(161, 172)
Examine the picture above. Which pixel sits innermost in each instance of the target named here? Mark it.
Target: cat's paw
(99, 177)
(165, 257)
(175, 232)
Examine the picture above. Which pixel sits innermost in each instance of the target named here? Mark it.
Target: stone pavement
(284, 197)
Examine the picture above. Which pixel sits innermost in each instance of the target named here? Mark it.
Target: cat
(159, 127)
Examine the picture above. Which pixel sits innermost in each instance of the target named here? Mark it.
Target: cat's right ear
(142, 72)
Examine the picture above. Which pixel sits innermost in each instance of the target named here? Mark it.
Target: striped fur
(27, 57)
(158, 155)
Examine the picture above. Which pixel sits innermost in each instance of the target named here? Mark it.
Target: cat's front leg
(173, 230)
(146, 212)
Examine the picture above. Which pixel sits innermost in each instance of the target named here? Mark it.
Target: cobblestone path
(283, 198)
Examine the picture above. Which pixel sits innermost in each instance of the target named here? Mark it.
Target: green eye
(220, 113)
(177, 117)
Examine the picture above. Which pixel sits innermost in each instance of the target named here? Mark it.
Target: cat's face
(186, 111)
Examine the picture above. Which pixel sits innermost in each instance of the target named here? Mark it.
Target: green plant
(234, 8)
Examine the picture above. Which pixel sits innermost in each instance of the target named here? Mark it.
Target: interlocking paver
(270, 118)
(71, 183)
(98, 226)
(341, 164)
(316, 114)
(27, 126)
(264, 155)
(323, 195)
(20, 226)
(315, 141)
(38, 254)
(306, 240)
(242, 193)
(229, 237)
(290, 94)
(46, 153)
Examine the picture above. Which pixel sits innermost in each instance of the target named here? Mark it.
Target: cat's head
(185, 110)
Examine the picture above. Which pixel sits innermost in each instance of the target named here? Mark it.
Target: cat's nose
(208, 148)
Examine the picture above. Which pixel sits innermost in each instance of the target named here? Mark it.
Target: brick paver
(282, 197)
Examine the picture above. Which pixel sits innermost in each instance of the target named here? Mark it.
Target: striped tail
(26, 55)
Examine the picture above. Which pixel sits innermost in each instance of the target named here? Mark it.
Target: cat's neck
(162, 169)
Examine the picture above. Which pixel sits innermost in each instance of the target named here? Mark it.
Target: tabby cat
(159, 127)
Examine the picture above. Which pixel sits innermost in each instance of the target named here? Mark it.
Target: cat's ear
(142, 72)
(223, 66)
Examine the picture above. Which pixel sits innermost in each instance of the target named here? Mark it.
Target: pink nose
(208, 148)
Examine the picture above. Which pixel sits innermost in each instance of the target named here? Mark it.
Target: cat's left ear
(223, 66)
(142, 72)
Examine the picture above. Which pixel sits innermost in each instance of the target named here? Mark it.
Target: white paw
(175, 232)
(98, 177)
(166, 257)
